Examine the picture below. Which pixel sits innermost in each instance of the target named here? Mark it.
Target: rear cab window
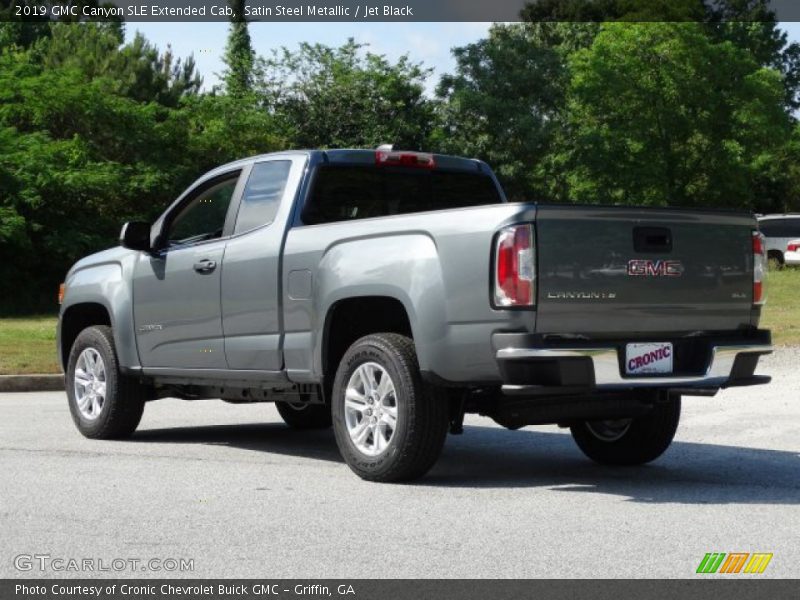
(349, 192)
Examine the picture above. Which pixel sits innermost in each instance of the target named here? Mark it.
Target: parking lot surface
(239, 493)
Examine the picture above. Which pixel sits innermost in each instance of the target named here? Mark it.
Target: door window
(262, 195)
(204, 217)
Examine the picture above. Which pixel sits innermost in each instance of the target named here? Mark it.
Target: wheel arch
(102, 280)
(351, 318)
(74, 319)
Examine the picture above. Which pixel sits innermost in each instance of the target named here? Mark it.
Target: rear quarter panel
(437, 264)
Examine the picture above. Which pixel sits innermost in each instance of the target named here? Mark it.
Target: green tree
(137, 70)
(223, 128)
(597, 11)
(660, 113)
(239, 56)
(776, 185)
(502, 105)
(749, 24)
(16, 32)
(344, 97)
(768, 45)
(78, 161)
(94, 132)
(82, 149)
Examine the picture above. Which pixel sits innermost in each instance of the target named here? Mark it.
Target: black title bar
(401, 10)
(701, 588)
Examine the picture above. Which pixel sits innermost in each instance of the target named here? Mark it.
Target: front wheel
(632, 441)
(104, 403)
(389, 424)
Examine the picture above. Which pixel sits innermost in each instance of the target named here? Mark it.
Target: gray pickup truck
(387, 293)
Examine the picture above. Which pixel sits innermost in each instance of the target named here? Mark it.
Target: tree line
(95, 130)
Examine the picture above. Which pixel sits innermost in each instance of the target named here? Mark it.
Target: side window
(204, 217)
(344, 193)
(262, 195)
(771, 227)
(780, 228)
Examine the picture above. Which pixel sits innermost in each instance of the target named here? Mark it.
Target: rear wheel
(104, 403)
(775, 260)
(389, 424)
(301, 415)
(633, 441)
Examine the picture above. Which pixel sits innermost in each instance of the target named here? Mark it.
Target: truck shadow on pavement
(271, 438)
(490, 457)
(688, 473)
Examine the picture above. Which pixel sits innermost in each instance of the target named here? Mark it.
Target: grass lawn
(27, 344)
(782, 312)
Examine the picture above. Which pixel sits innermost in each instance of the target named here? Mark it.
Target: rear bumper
(792, 258)
(707, 364)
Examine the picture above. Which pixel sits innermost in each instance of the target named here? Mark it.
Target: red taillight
(793, 247)
(759, 268)
(419, 160)
(515, 268)
(61, 290)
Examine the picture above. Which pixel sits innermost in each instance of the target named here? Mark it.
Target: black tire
(422, 411)
(124, 396)
(646, 438)
(305, 416)
(775, 260)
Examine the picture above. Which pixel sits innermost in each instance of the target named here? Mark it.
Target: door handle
(205, 266)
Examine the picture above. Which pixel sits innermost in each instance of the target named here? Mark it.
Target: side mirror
(135, 235)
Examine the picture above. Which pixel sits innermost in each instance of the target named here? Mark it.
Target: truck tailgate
(624, 272)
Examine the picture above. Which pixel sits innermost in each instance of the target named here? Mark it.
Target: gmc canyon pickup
(387, 293)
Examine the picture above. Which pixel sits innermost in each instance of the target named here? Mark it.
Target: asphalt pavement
(232, 489)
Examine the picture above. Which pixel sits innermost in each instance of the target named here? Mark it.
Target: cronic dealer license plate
(651, 358)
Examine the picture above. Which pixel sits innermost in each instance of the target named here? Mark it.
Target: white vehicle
(792, 254)
(779, 231)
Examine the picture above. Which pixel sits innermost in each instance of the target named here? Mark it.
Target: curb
(31, 383)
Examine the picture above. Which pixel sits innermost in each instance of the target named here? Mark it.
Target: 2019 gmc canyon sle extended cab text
(387, 293)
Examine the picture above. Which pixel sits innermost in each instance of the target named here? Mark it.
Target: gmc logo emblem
(655, 268)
